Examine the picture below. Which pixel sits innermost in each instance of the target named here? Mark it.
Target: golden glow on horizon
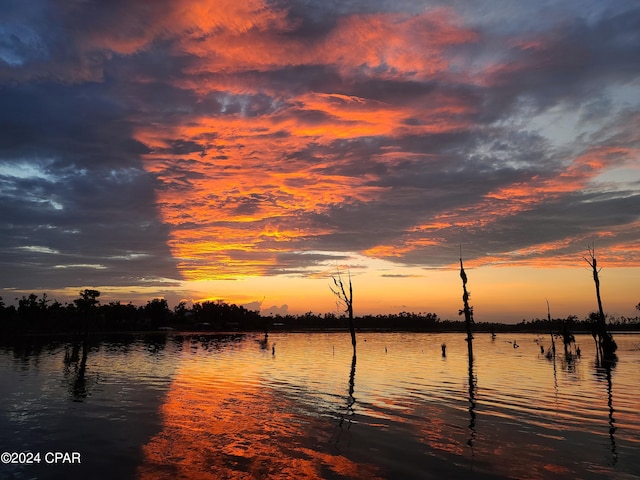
(497, 293)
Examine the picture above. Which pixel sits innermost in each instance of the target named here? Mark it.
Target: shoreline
(244, 333)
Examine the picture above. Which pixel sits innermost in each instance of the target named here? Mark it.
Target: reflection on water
(75, 368)
(349, 411)
(98, 398)
(472, 404)
(224, 418)
(604, 372)
(207, 406)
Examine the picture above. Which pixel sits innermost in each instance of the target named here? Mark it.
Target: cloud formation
(192, 140)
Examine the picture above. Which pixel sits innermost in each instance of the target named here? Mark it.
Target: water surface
(301, 406)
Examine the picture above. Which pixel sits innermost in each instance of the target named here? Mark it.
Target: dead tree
(606, 345)
(553, 343)
(467, 310)
(347, 299)
(468, 321)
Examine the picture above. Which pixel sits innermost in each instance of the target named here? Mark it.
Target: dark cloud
(78, 208)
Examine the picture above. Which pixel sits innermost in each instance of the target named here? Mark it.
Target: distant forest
(86, 314)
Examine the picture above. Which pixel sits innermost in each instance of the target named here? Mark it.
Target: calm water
(299, 406)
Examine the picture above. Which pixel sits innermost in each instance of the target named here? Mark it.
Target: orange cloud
(251, 38)
(225, 205)
(519, 197)
(575, 177)
(399, 44)
(268, 170)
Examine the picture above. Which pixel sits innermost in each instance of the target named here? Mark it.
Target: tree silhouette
(467, 310)
(158, 311)
(88, 300)
(606, 345)
(468, 321)
(87, 305)
(553, 343)
(347, 299)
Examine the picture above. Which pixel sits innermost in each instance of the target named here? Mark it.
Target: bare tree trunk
(553, 343)
(340, 292)
(467, 310)
(468, 321)
(606, 345)
(352, 327)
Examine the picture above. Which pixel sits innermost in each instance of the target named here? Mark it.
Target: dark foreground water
(300, 406)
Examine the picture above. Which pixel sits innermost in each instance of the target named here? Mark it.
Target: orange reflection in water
(217, 425)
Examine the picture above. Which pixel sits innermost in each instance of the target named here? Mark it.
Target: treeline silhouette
(40, 314)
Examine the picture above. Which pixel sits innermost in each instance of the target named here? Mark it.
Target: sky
(246, 151)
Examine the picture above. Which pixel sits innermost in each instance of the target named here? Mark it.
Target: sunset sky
(248, 150)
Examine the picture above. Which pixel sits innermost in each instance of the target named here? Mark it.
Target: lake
(299, 405)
